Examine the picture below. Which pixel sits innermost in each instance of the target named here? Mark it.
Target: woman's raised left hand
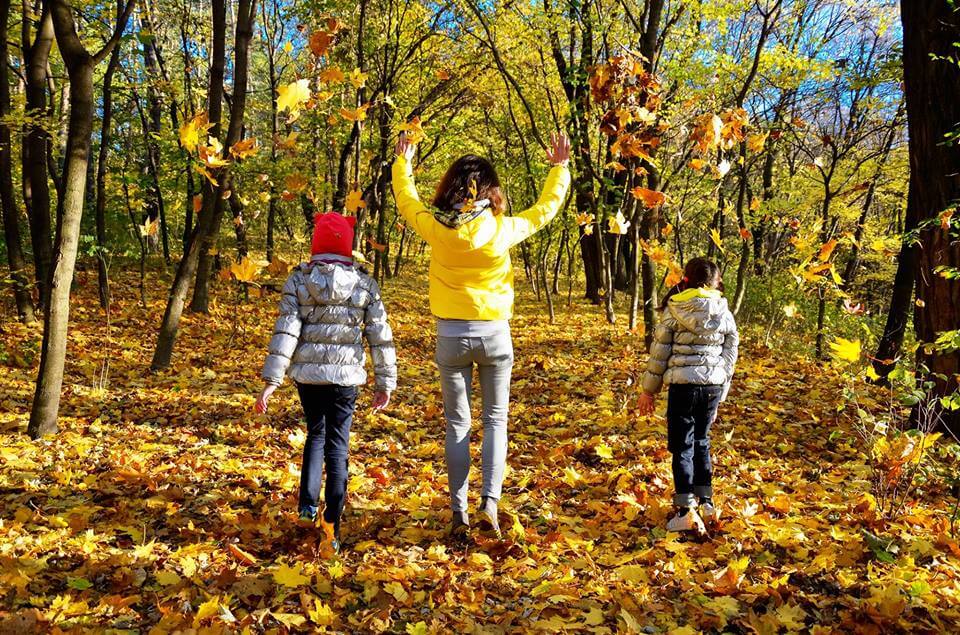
(559, 151)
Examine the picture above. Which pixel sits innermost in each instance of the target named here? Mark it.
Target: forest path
(165, 501)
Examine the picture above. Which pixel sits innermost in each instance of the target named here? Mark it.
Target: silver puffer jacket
(696, 342)
(328, 307)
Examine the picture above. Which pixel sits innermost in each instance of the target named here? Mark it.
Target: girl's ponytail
(698, 273)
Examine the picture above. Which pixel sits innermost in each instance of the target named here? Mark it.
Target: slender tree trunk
(931, 32)
(898, 315)
(187, 269)
(80, 66)
(100, 205)
(11, 220)
(155, 208)
(246, 14)
(36, 188)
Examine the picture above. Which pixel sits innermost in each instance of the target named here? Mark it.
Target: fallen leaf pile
(165, 504)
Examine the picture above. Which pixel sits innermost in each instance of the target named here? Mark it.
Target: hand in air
(404, 148)
(559, 151)
(645, 405)
(381, 400)
(261, 406)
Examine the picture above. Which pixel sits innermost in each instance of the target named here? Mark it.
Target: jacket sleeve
(377, 331)
(413, 212)
(531, 221)
(731, 349)
(286, 334)
(660, 350)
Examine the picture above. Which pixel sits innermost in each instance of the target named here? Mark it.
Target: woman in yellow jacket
(471, 294)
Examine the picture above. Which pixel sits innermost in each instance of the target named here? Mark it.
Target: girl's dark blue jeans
(691, 410)
(329, 413)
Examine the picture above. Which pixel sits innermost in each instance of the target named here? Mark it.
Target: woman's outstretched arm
(414, 212)
(531, 221)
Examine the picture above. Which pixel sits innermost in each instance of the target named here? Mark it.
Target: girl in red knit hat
(328, 308)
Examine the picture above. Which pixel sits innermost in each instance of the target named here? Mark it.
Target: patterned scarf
(462, 213)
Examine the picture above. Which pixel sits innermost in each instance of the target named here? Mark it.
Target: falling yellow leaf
(717, 240)
(245, 271)
(356, 114)
(845, 350)
(292, 96)
(618, 224)
(354, 201)
(357, 78)
(413, 130)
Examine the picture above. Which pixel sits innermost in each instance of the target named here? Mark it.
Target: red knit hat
(333, 234)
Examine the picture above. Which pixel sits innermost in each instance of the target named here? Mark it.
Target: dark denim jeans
(691, 410)
(329, 413)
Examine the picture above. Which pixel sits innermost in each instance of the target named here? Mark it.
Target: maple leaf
(717, 240)
(279, 267)
(332, 75)
(397, 591)
(292, 96)
(413, 130)
(696, 164)
(791, 616)
(745, 233)
(650, 198)
(826, 250)
(583, 218)
(845, 350)
(244, 148)
(192, 131)
(150, 227)
(358, 78)
(756, 142)
(288, 576)
(354, 201)
(721, 169)
(246, 270)
(321, 613)
(618, 224)
(295, 182)
(420, 628)
(442, 74)
(320, 42)
(356, 114)
(790, 310)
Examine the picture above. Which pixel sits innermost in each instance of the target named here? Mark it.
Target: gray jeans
(493, 356)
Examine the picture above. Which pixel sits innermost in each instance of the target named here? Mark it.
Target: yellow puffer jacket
(471, 277)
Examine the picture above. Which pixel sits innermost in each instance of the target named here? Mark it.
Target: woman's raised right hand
(404, 148)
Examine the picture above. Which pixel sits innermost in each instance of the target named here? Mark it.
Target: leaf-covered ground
(166, 504)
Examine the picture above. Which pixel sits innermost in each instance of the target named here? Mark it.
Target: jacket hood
(699, 311)
(473, 234)
(330, 278)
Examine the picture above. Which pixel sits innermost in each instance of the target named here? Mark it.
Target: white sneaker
(688, 522)
(709, 513)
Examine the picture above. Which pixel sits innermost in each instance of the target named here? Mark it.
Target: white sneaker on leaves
(689, 521)
(709, 513)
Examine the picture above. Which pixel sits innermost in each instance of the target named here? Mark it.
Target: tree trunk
(11, 220)
(931, 31)
(246, 14)
(898, 315)
(80, 66)
(100, 205)
(36, 188)
(187, 268)
(155, 208)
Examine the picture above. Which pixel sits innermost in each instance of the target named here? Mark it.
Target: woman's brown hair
(455, 186)
(698, 273)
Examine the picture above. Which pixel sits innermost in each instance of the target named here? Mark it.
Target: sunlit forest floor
(165, 503)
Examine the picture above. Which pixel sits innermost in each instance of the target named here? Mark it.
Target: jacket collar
(696, 292)
(331, 259)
